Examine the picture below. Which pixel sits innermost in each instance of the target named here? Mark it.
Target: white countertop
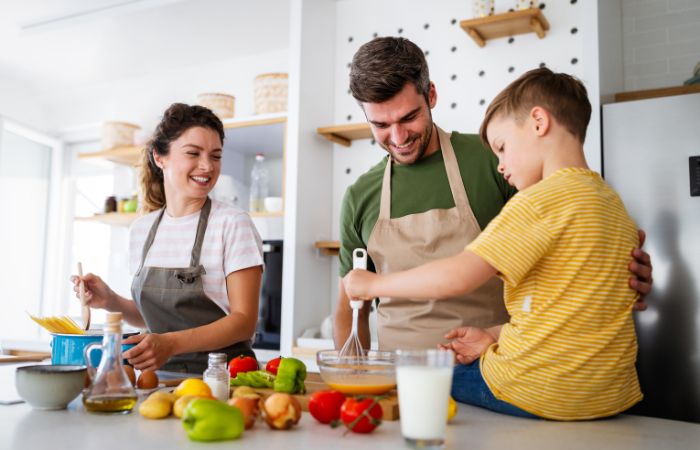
(23, 428)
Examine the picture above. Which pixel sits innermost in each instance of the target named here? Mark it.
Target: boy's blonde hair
(561, 94)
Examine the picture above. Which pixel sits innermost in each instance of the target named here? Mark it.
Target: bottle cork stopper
(114, 318)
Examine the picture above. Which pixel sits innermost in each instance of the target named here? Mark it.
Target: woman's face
(192, 166)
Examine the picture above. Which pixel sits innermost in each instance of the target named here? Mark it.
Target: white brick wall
(661, 42)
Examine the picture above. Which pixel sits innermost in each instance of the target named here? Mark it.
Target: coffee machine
(267, 333)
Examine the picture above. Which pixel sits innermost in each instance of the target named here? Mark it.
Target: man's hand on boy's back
(468, 343)
(641, 268)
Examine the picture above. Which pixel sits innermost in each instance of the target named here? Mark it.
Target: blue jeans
(468, 386)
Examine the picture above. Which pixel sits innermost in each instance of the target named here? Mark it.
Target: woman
(196, 262)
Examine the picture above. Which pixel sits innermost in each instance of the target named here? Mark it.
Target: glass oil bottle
(110, 389)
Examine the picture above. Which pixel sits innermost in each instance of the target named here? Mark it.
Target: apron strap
(385, 199)
(196, 248)
(149, 239)
(459, 193)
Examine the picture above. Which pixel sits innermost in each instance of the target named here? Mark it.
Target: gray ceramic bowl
(49, 386)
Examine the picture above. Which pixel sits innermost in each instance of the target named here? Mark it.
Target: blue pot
(68, 348)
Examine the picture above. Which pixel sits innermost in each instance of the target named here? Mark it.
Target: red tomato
(361, 415)
(242, 363)
(324, 406)
(273, 365)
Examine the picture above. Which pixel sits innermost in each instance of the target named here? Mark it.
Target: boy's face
(515, 144)
(403, 124)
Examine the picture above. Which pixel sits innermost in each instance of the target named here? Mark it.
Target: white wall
(661, 42)
(18, 103)
(142, 100)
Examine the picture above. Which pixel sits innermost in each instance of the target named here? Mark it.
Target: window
(30, 195)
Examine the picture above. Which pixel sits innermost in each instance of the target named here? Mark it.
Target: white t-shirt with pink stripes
(231, 243)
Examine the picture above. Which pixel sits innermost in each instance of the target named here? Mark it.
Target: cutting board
(24, 358)
(390, 404)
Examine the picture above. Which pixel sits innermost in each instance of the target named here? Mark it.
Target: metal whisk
(353, 347)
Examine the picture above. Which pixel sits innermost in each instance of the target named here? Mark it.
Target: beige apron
(409, 241)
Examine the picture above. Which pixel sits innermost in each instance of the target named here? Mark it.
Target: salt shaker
(217, 376)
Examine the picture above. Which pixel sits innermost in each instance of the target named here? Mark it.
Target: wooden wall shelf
(267, 214)
(267, 119)
(131, 155)
(128, 155)
(328, 248)
(118, 219)
(653, 93)
(345, 134)
(497, 26)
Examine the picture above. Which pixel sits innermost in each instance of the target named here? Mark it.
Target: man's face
(403, 125)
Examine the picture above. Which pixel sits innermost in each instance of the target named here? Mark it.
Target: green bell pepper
(255, 378)
(290, 377)
(212, 420)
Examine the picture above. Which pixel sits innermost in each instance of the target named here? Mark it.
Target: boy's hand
(641, 268)
(358, 283)
(468, 343)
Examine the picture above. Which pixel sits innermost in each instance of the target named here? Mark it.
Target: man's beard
(423, 142)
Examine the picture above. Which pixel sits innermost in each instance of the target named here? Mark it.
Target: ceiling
(59, 44)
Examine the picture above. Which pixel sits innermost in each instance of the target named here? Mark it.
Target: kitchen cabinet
(511, 23)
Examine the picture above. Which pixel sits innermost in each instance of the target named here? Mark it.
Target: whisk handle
(359, 261)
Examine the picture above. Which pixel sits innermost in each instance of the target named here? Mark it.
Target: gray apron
(409, 241)
(173, 299)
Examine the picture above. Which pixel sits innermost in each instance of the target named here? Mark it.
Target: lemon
(193, 386)
(451, 409)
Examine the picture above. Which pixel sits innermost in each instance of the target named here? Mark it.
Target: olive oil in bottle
(109, 404)
(110, 389)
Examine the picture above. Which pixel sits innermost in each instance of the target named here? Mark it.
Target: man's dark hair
(383, 66)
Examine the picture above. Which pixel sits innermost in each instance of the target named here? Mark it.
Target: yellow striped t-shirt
(562, 247)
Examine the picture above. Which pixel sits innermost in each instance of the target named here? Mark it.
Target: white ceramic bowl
(273, 204)
(49, 386)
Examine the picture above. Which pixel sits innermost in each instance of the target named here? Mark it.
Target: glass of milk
(423, 379)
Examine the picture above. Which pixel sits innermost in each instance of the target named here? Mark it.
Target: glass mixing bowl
(373, 375)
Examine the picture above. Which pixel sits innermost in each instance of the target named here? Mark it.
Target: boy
(560, 246)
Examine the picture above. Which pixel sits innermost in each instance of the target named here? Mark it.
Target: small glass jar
(482, 8)
(524, 4)
(217, 376)
(111, 204)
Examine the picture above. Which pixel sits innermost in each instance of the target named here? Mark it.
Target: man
(424, 202)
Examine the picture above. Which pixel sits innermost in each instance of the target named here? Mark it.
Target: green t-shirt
(420, 187)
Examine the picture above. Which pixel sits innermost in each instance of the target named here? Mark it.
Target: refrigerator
(651, 157)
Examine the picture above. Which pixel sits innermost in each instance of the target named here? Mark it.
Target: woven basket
(270, 91)
(118, 134)
(223, 105)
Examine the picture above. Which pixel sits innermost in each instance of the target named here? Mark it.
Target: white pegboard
(466, 76)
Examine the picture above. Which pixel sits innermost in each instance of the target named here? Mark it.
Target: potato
(163, 395)
(155, 409)
(181, 403)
